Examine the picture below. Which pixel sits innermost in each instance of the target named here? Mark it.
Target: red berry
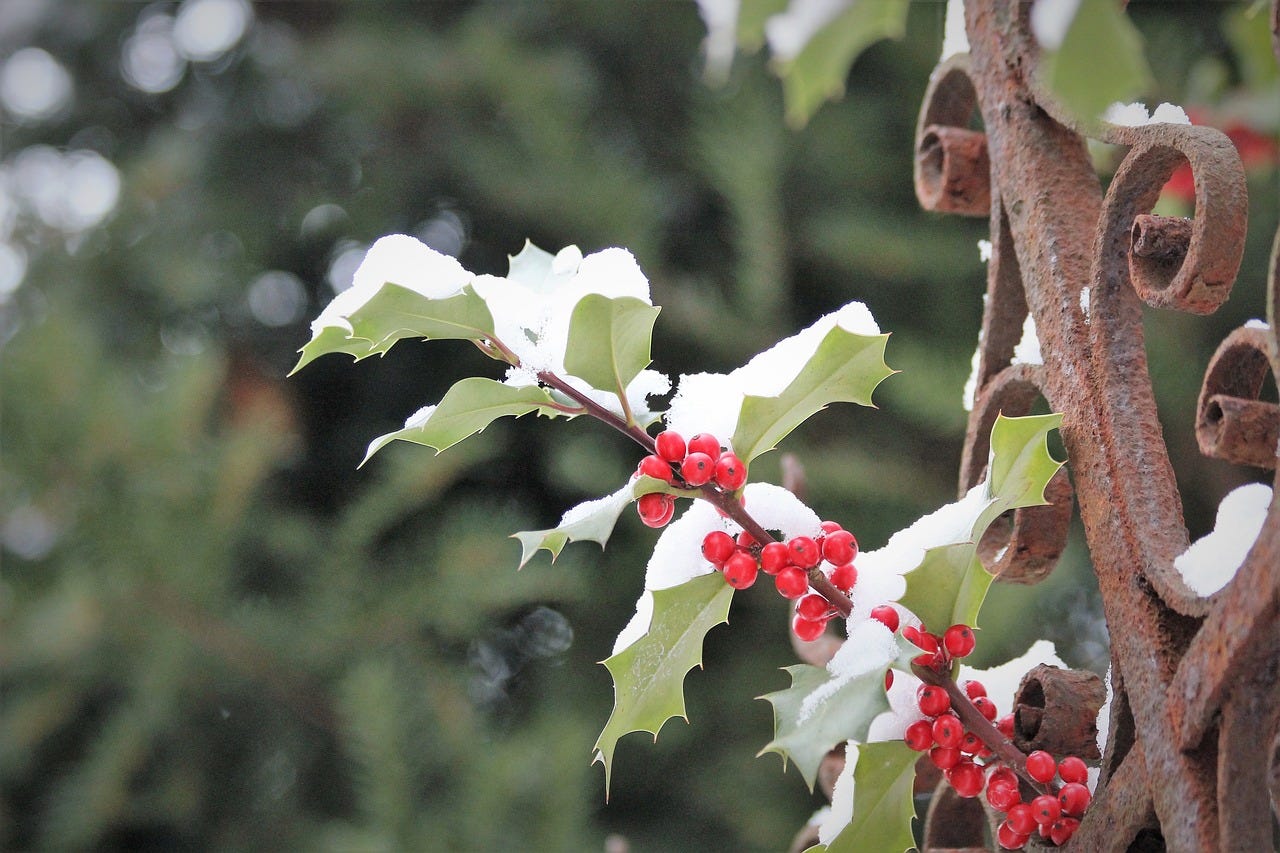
(656, 509)
(1041, 766)
(1046, 809)
(933, 700)
(730, 472)
(830, 527)
(844, 577)
(919, 735)
(966, 777)
(774, 557)
(704, 442)
(740, 570)
(718, 546)
(1062, 830)
(944, 758)
(808, 629)
(888, 680)
(948, 731)
(813, 606)
(1022, 818)
(1072, 769)
(973, 689)
(921, 638)
(804, 552)
(959, 640)
(791, 582)
(1074, 798)
(1003, 797)
(886, 616)
(986, 707)
(697, 469)
(1009, 839)
(656, 467)
(971, 744)
(1002, 775)
(670, 445)
(1005, 725)
(839, 547)
(746, 540)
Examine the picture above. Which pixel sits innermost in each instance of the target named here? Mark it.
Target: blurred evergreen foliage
(219, 634)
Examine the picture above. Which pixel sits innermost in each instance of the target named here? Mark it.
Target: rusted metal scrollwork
(1193, 756)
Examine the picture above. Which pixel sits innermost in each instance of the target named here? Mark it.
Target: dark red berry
(1022, 818)
(804, 552)
(1005, 725)
(746, 540)
(959, 640)
(1062, 830)
(948, 731)
(730, 472)
(670, 445)
(1009, 839)
(1074, 798)
(921, 638)
(740, 570)
(830, 527)
(844, 577)
(1003, 776)
(774, 557)
(919, 735)
(655, 509)
(1041, 766)
(656, 467)
(973, 689)
(839, 547)
(888, 680)
(718, 546)
(697, 469)
(966, 777)
(971, 744)
(886, 616)
(1002, 797)
(933, 700)
(813, 606)
(1046, 809)
(944, 758)
(704, 442)
(808, 629)
(1072, 769)
(791, 582)
(985, 706)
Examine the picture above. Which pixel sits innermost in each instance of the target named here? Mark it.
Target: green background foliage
(216, 632)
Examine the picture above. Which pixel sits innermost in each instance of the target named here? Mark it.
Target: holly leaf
(949, 585)
(883, 780)
(609, 341)
(394, 313)
(845, 368)
(1099, 62)
(648, 675)
(592, 521)
(845, 715)
(467, 408)
(817, 73)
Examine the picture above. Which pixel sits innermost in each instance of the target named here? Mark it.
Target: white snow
(721, 18)
(1255, 323)
(954, 39)
(870, 646)
(419, 417)
(790, 30)
(1002, 681)
(1135, 114)
(984, 251)
(776, 508)
(1027, 350)
(841, 797)
(711, 402)
(1212, 561)
(904, 709)
(1084, 302)
(1050, 20)
(1103, 723)
(971, 384)
(586, 509)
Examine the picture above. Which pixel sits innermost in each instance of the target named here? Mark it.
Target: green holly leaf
(467, 408)
(609, 341)
(845, 368)
(752, 15)
(394, 313)
(817, 73)
(534, 268)
(592, 521)
(844, 715)
(883, 780)
(1099, 62)
(949, 585)
(648, 675)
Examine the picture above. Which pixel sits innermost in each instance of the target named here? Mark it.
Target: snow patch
(1027, 350)
(1255, 323)
(419, 417)
(841, 814)
(1084, 302)
(1212, 561)
(721, 19)
(984, 251)
(1135, 114)
(1002, 681)
(1050, 21)
(1103, 724)
(904, 709)
(955, 39)
(870, 646)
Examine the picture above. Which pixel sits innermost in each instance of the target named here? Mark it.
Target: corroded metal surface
(1191, 762)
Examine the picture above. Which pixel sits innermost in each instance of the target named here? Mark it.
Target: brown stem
(980, 725)
(597, 411)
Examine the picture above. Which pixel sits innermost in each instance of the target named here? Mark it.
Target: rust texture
(1193, 755)
(1057, 710)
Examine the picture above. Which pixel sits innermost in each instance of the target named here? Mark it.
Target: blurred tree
(218, 633)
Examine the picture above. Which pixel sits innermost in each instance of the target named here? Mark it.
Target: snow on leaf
(592, 521)
(949, 584)
(609, 341)
(846, 367)
(648, 675)
(466, 408)
(882, 801)
(845, 714)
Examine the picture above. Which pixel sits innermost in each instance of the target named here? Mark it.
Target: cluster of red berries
(952, 749)
(741, 559)
(1055, 816)
(697, 462)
